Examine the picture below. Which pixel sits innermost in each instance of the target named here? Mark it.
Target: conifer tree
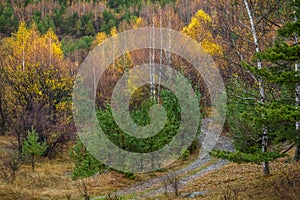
(279, 113)
(283, 74)
(250, 111)
(32, 147)
(85, 164)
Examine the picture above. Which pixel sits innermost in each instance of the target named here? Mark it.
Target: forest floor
(217, 180)
(205, 178)
(52, 178)
(246, 181)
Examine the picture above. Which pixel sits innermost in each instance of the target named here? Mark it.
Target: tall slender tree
(250, 119)
(284, 73)
(260, 85)
(297, 86)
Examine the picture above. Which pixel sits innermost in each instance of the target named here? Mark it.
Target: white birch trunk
(83, 7)
(261, 88)
(297, 97)
(161, 55)
(153, 60)
(113, 52)
(150, 63)
(168, 53)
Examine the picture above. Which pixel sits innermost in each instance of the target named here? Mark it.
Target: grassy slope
(51, 179)
(245, 181)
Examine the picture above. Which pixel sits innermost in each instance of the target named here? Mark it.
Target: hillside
(232, 181)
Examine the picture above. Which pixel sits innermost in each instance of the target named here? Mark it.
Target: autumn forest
(254, 47)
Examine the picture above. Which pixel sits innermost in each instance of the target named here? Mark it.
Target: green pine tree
(278, 114)
(245, 117)
(32, 147)
(283, 74)
(85, 164)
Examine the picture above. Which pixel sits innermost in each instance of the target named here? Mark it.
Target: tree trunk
(32, 162)
(260, 84)
(2, 115)
(19, 142)
(151, 59)
(168, 52)
(297, 98)
(160, 57)
(296, 154)
(266, 168)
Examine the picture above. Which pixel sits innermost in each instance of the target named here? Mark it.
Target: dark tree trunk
(19, 142)
(266, 168)
(32, 162)
(296, 154)
(2, 116)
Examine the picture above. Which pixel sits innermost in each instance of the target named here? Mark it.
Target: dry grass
(51, 179)
(246, 181)
(47, 182)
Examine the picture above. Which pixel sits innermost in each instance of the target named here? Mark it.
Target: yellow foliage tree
(138, 23)
(200, 30)
(19, 43)
(51, 41)
(100, 37)
(113, 31)
(29, 48)
(40, 84)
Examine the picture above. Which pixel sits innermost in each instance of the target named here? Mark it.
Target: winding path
(200, 166)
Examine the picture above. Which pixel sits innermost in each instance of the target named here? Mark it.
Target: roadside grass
(192, 172)
(246, 181)
(52, 178)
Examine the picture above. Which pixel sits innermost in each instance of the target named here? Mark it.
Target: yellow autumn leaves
(36, 69)
(28, 47)
(121, 64)
(200, 30)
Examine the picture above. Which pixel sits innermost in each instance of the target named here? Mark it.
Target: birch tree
(297, 86)
(284, 72)
(260, 85)
(200, 29)
(250, 116)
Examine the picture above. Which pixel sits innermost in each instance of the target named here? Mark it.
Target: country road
(203, 164)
